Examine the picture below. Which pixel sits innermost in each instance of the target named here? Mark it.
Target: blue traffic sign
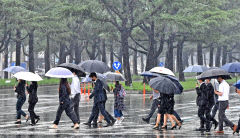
(161, 64)
(117, 65)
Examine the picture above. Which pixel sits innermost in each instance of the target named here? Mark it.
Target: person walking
(211, 102)
(119, 94)
(215, 83)
(65, 104)
(202, 103)
(99, 99)
(155, 95)
(223, 98)
(237, 85)
(21, 98)
(75, 94)
(33, 99)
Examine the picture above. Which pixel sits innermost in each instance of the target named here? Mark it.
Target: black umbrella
(214, 73)
(94, 66)
(80, 71)
(164, 85)
(176, 82)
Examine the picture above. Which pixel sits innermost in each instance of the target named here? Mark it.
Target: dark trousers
(19, 104)
(221, 115)
(68, 110)
(33, 116)
(109, 115)
(75, 102)
(203, 119)
(214, 111)
(95, 112)
(153, 109)
(238, 127)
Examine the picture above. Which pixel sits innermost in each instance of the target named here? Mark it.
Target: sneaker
(53, 127)
(87, 124)
(122, 118)
(18, 122)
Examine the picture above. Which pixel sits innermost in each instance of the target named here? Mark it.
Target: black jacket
(32, 94)
(63, 95)
(202, 98)
(210, 94)
(98, 93)
(20, 90)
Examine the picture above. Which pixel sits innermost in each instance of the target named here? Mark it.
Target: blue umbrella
(149, 74)
(196, 69)
(232, 67)
(14, 69)
(237, 84)
(59, 72)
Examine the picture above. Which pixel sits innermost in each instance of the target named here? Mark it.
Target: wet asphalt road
(132, 126)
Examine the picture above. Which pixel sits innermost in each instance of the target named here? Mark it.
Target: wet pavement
(132, 126)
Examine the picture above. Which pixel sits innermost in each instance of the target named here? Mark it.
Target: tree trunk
(5, 62)
(62, 54)
(211, 56)
(135, 70)
(47, 55)
(199, 54)
(18, 47)
(218, 55)
(78, 53)
(125, 52)
(224, 55)
(169, 53)
(31, 51)
(111, 56)
(142, 63)
(180, 64)
(72, 51)
(230, 57)
(104, 56)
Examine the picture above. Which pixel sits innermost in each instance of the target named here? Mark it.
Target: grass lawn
(189, 84)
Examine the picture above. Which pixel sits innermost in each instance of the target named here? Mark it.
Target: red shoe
(219, 132)
(234, 128)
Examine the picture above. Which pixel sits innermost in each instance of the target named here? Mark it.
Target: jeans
(33, 116)
(153, 108)
(20, 102)
(68, 110)
(95, 112)
(75, 102)
(118, 113)
(221, 115)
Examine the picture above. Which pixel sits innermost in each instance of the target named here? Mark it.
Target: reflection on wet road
(137, 107)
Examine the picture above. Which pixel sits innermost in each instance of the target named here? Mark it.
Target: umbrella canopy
(214, 73)
(162, 70)
(232, 67)
(14, 69)
(59, 72)
(75, 67)
(176, 82)
(196, 69)
(94, 66)
(112, 76)
(164, 85)
(237, 84)
(27, 76)
(149, 74)
(100, 77)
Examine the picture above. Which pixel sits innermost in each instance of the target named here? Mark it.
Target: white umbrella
(59, 72)
(162, 70)
(28, 76)
(112, 76)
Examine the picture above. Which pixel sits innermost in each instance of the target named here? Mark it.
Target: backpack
(122, 92)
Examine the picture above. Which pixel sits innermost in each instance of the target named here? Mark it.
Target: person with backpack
(119, 94)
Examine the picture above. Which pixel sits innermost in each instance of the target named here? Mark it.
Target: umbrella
(162, 70)
(114, 76)
(75, 67)
(59, 72)
(94, 66)
(232, 67)
(176, 82)
(149, 74)
(164, 85)
(100, 77)
(27, 76)
(14, 69)
(196, 69)
(214, 73)
(237, 84)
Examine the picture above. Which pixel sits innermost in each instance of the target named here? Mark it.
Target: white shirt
(224, 88)
(75, 86)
